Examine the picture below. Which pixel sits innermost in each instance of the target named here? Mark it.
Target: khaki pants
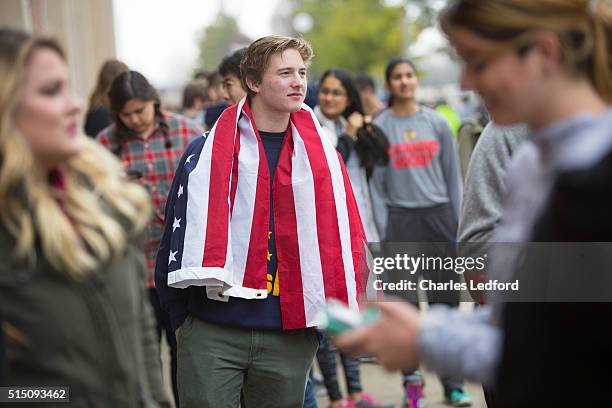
(216, 362)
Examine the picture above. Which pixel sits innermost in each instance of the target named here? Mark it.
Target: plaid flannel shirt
(151, 164)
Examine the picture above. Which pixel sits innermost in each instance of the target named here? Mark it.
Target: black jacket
(560, 354)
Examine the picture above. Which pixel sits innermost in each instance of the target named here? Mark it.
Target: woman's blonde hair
(584, 29)
(98, 210)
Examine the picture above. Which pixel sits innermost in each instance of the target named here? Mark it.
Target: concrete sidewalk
(386, 387)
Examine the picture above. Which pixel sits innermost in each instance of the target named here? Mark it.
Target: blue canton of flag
(179, 203)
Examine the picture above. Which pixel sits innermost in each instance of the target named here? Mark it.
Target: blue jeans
(310, 400)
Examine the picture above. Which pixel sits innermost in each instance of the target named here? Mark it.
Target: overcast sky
(158, 37)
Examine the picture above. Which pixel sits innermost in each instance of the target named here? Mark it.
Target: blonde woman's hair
(99, 210)
(584, 29)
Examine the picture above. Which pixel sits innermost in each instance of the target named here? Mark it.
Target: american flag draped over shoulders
(220, 218)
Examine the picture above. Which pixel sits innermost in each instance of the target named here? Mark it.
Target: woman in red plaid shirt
(150, 143)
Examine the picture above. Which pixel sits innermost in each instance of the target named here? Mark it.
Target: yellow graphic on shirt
(409, 135)
(273, 287)
(272, 284)
(276, 291)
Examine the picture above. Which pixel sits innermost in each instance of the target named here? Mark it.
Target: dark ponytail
(372, 145)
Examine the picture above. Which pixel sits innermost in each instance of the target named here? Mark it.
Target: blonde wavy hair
(99, 211)
(584, 29)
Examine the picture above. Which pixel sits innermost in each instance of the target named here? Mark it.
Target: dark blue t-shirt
(249, 313)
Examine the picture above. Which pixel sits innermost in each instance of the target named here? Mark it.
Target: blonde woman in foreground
(72, 283)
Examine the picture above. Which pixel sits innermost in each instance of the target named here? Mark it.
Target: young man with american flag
(262, 228)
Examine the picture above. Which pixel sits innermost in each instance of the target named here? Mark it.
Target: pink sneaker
(368, 401)
(344, 404)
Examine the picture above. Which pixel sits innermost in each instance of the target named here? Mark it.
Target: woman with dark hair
(98, 115)
(423, 171)
(149, 142)
(422, 154)
(421, 187)
(361, 145)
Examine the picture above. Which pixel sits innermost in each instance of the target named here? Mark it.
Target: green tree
(358, 35)
(218, 39)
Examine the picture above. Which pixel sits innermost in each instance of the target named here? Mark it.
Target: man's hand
(176, 332)
(392, 339)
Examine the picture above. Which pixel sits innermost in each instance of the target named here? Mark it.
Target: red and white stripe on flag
(319, 235)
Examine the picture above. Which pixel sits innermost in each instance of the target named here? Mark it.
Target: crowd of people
(227, 227)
